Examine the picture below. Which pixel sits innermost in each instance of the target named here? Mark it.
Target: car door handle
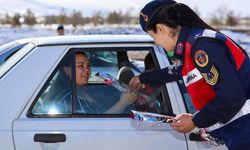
(49, 138)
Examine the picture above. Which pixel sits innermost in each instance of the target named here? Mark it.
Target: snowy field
(9, 33)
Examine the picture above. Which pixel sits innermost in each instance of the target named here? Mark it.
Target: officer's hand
(183, 123)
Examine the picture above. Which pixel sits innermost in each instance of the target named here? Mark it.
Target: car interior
(121, 64)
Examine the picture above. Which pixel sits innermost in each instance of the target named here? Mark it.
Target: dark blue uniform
(229, 78)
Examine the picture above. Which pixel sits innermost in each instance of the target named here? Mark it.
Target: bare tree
(114, 17)
(15, 21)
(76, 18)
(127, 18)
(6, 19)
(219, 16)
(231, 19)
(97, 18)
(62, 16)
(29, 18)
(216, 21)
(50, 19)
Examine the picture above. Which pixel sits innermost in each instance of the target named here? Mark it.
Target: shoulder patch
(212, 76)
(201, 58)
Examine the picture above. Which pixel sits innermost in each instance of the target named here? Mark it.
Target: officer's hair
(176, 14)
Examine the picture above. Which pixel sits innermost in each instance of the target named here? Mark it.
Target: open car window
(63, 96)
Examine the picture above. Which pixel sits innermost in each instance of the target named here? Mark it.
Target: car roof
(80, 39)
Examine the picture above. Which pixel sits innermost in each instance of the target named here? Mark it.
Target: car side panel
(97, 133)
(81, 133)
(6, 141)
(17, 86)
(22, 80)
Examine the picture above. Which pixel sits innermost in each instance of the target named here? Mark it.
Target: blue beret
(147, 12)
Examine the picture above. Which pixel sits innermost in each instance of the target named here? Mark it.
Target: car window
(6, 51)
(102, 61)
(55, 95)
(187, 99)
(63, 94)
(13, 56)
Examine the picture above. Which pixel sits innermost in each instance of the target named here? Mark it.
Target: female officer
(213, 68)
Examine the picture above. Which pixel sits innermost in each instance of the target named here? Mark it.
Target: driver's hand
(135, 83)
(130, 96)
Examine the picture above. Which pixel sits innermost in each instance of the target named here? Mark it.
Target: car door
(48, 123)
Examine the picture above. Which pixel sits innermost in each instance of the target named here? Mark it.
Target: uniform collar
(180, 45)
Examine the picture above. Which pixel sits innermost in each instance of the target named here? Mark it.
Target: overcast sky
(206, 7)
(41, 7)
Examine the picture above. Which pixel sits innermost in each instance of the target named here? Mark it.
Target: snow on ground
(9, 33)
(13, 33)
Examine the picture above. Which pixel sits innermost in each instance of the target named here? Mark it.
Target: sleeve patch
(201, 58)
(212, 76)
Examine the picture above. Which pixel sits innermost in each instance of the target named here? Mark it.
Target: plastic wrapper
(110, 80)
(151, 117)
(199, 135)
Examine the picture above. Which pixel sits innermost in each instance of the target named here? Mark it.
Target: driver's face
(83, 70)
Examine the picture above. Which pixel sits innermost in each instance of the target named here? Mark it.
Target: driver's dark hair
(62, 82)
(176, 14)
(68, 59)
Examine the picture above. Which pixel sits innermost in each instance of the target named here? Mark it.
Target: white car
(31, 117)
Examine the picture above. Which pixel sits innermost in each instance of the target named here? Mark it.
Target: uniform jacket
(226, 72)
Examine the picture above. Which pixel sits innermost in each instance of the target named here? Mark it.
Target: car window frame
(183, 91)
(15, 58)
(6, 54)
(72, 50)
